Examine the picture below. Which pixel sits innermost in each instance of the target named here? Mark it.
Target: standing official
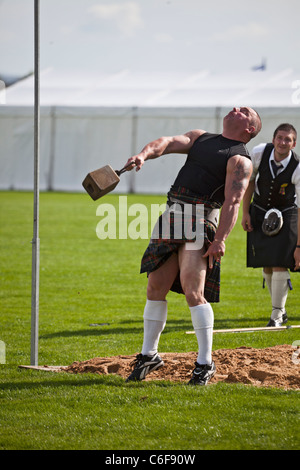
(272, 220)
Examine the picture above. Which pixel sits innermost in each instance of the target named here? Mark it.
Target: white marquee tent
(90, 120)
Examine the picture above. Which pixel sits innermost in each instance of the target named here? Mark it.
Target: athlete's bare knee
(193, 291)
(194, 298)
(160, 281)
(155, 289)
(193, 287)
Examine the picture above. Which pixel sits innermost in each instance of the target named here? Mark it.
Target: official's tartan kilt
(160, 249)
(277, 250)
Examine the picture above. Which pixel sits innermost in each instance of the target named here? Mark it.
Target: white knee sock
(203, 322)
(268, 279)
(155, 317)
(280, 289)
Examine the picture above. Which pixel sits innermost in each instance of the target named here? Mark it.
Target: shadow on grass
(79, 380)
(111, 330)
(171, 326)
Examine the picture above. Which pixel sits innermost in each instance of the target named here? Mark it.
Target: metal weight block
(100, 182)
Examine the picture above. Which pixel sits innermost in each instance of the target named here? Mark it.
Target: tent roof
(128, 88)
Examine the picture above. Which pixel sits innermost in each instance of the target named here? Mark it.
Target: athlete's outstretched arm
(163, 146)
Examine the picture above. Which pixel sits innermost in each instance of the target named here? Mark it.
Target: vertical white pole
(36, 240)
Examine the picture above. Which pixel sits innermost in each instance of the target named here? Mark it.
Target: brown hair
(287, 128)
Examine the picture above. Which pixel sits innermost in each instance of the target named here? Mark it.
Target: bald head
(242, 124)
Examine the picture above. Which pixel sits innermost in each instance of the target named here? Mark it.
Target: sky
(150, 35)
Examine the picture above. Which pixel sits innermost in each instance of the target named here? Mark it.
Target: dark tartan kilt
(275, 251)
(159, 250)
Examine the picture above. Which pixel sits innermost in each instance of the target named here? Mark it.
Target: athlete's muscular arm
(239, 170)
(164, 146)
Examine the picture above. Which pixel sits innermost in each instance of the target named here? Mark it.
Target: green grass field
(86, 281)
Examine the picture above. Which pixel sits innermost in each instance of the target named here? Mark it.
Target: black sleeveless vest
(204, 171)
(276, 192)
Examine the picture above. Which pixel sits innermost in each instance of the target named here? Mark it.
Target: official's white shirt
(256, 155)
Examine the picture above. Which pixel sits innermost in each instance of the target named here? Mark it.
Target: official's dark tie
(275, 167)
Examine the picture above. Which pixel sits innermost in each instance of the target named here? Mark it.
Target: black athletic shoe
(202, 374)
(281, 321)
(143, 365)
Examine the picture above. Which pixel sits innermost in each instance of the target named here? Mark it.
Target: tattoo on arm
(241, 173)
